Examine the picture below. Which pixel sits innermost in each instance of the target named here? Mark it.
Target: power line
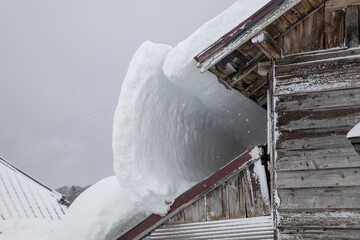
(71, 151)
(62, 126)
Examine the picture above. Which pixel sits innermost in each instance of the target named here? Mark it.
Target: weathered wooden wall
(240, 196)
(316, 101)
(334, 24)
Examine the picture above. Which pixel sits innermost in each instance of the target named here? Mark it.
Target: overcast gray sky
(61, 68)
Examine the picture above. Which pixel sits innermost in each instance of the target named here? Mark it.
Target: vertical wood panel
(195, 212)
(216, 204)
(352, 26)
(233, 196)
(334, 28)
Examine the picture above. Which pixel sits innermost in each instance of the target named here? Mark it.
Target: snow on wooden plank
(320, 219)
(318, 76)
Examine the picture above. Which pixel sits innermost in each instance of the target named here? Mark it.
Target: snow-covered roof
(153, 221)
(248, 27)
(22, 197)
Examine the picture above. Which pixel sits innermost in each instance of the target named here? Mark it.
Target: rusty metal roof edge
(184, 199)
(238, 30)
(254, 29)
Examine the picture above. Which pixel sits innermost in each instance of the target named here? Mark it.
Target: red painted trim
(238, 30)
(190, 194)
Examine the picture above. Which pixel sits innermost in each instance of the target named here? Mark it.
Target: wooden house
(24, 198)
(300, 60)
(232, 203)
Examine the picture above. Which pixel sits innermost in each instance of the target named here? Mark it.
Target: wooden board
(195, 212)
(311, 140)
(236, 204)
(319, 198)
(319, 76)
(305, 36)
(316, 3)
(348, 98)
(255, 204)
(318, 119)
(318, 178)
(332, 5)
(303, 8)
(216, 204)
(352, 26)
(334, 28)
(334, 234)
(320, 219)
(317, 159)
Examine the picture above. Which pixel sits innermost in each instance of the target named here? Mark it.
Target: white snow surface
(97, 213)
(30, 229)
(172, 128)
(354, 132)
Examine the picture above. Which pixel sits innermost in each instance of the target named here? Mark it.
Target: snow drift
(173, 127)
(164, 138)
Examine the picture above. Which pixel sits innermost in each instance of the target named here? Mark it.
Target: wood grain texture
(196, 212)
(318, 119)
(352, 26)
(317, 77)
(317, 159)
(281, 24)
(303, 8)
(334, 28)
(344, 99)
(318, 178)
(234, 193)
(319, 198)
(313, 139)
(307, 234)
(332, 5)
(216, 204)
(316, 3)
(255, 204)
(320, 219)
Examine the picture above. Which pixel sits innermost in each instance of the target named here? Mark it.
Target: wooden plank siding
(317, 171)
(240, 196)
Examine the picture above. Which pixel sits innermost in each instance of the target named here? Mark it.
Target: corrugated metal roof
(22, 197)
(241, 228)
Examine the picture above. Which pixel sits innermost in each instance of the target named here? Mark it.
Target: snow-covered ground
(32, 229)
(173, 127)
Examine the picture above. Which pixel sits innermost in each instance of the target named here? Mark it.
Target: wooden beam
(332, 5)
(267, 45)
(251, 66)
(264, 68)
(352, 26)
(256, 85)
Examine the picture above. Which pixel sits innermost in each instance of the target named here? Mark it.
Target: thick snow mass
(172, 128)
(30, 229)
(164, 138)
(97, 213)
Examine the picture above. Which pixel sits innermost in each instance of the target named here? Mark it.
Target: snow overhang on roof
(242, 58)
(194, 193)
(243, 33)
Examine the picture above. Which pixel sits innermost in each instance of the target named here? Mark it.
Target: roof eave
(243, 33)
